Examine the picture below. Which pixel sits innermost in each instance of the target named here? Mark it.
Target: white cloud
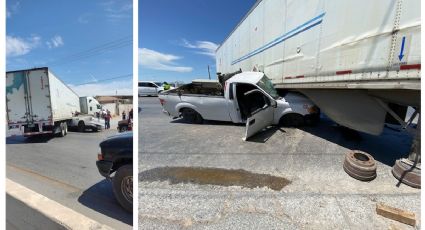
(152, 59)
(55, 42)
(110, 88)
(116, 10)
(84, 18)
(204, 47)
(16, 46)
(12, 9)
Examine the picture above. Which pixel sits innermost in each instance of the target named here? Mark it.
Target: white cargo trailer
(363, 52)
(38, 102)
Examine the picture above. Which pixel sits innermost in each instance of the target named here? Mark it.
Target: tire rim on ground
(360, 165)
(407, 174)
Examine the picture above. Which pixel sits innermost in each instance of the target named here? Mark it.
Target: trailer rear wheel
(66, 128)
(81, 126)
(61, 130)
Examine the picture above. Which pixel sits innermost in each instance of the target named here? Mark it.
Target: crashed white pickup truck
(247, 97)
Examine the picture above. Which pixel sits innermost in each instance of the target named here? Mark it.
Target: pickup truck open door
(260, 110)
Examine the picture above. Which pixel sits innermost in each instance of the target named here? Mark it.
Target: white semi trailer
(38, 102)
(368, 50)
(358, 60)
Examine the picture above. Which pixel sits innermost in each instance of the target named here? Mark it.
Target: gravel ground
(206, 177)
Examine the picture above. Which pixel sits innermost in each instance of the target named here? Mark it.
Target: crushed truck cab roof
(247, 77)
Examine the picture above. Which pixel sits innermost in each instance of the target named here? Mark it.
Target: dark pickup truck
(117, 156)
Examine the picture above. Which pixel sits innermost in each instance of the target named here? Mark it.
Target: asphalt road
(64, 170)
(206, 177)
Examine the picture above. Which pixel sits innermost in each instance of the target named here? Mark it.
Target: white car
(149, 88)
(248, 97)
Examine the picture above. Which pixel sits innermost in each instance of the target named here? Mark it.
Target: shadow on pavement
(206, 122)
(100, 198)
(13, 140)
(264, 136)
(385, 148)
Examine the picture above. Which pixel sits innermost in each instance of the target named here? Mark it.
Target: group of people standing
(130, 115)
(106, 115)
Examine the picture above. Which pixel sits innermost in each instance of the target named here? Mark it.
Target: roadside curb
(26, 209)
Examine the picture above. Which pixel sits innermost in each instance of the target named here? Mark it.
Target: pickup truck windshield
(265, 84)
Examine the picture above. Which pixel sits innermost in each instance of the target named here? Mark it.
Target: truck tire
(312, 119)
(123, 128)
(123, 186)
(81, 126)
(292, 120)
(61, 130)
(65, 125)
(190, 115)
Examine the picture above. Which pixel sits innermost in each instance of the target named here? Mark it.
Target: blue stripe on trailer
(299, 29)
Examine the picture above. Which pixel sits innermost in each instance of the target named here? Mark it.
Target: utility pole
(209, 75)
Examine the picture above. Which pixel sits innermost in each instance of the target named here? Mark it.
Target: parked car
(116, 156)
(125, 125)
(247, 97)
(149, 88)
(161, 84)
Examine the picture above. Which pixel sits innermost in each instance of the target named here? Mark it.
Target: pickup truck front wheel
(123, 186)
(292, 120)
(81, 126)
(190, 115)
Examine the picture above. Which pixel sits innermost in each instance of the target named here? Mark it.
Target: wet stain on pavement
(213, 176)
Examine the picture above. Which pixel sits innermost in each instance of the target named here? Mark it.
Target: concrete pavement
(64, 170)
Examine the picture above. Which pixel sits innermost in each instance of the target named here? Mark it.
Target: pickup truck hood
(125, 138)
(117, 147)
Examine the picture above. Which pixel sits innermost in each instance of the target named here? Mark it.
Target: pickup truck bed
(194, 96)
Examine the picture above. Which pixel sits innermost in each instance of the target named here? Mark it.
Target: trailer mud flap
(355, 109)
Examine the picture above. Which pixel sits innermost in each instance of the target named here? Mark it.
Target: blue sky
(177, 38)
(63, 34)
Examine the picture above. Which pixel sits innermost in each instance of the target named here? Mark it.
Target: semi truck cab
(89, 105)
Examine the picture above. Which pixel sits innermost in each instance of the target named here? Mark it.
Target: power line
(107, 79)
(115, 44)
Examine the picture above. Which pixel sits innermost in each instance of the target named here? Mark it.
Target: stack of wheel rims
(406, 173)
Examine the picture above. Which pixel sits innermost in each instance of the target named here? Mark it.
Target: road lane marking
(50, 180)
(70, 188)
